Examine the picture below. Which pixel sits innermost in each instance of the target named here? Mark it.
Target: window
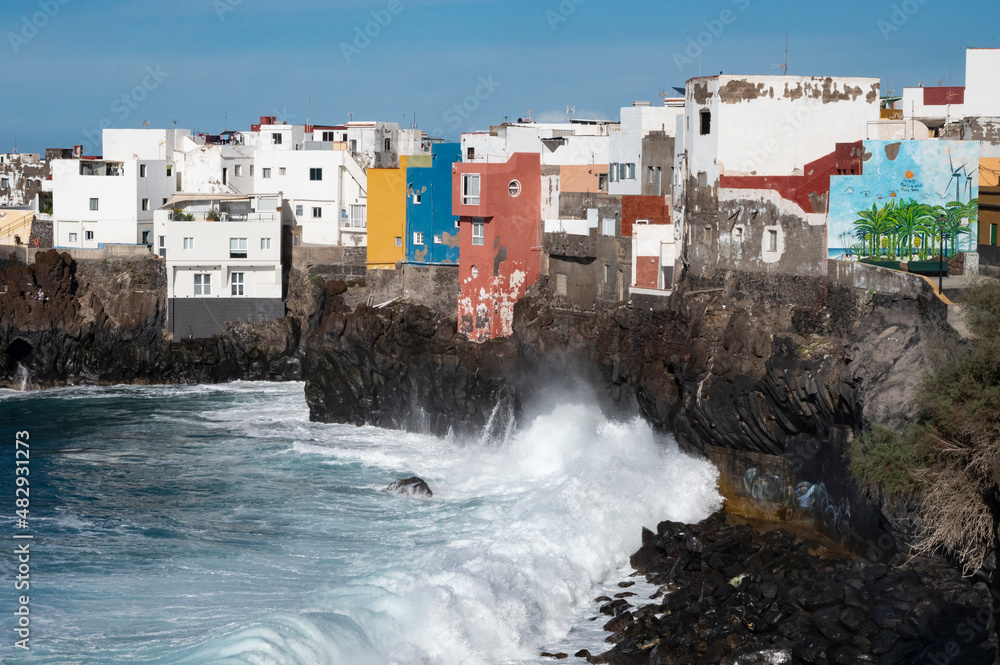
(417, 198)
(276, 139)
(88, 235)
(145, 204)
(399, 241)
(608, 226)
(238, 170)
(202, 284)
(470, 154)
(282, 171)
(237, 284)
(602, 182)
(266, 174)
(514, 188)
(188, 243)
(706, 123)
(145, 237)
(607, 274)
(251, 170)
(94, 204)
(164, 201)
(317, 213)
(328, 137)
(738, 234)
(388, 145)
(418, 238)
(613, 173)
(993, 234)
(650, 170)
(438, 240)
(772, 241)
(702, 179)
(315, 174)
(237, 248)
(142, 170)
(265, 244)
(478, 233)
(299, 211)
(707, 235)
(470, 189)
(170, 170)
(163, 246)
(5, 183)
(475, 272)
(73, 237)
(359, 217)
(628, 171)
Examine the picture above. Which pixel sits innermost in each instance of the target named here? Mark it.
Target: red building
(500, 222)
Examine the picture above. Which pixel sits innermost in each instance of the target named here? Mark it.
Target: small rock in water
(410, 487)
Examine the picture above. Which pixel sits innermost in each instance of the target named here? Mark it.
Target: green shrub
(891, 464)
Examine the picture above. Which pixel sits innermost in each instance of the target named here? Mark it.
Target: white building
(753, 160)
(111, 199)
(637, 122)
(224, 261)
(325, 189)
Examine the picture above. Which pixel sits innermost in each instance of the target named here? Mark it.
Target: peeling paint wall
(21, 179)
(494, 275)
(430, 179)
(755, 155)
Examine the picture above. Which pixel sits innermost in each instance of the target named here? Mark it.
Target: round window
(514, 188)
(475, 272)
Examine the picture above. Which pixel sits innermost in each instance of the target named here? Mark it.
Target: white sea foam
(513, 547)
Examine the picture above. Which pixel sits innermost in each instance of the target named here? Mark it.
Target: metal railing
(222, 217)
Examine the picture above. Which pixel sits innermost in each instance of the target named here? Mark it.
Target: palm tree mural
(897, 230)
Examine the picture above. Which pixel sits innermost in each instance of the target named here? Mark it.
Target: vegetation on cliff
(949, 460)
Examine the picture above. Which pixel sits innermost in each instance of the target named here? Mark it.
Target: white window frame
(300, 210)
(276, 138)
(772, 240)
(317, 213)
(265, 173)
(188, 244)
(238, 246)
(467, 198)
(238, 171)
(478, 233)
(202, 284)
(237, 284)
(95, 204)
(359, 217)
(282, 170)
(418, 238)
(265, 244)
(88, 235)
(74, 237)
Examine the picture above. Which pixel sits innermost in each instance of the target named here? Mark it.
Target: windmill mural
(913, 197)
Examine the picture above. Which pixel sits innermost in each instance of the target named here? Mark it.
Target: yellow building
(386, 216)
(15, 225)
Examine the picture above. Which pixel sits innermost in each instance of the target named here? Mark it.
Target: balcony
(102, 168)
(179, 216)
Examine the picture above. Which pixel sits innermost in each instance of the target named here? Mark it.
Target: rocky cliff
(102, 322)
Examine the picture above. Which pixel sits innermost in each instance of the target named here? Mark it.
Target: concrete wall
(881, 280)
(200, 318)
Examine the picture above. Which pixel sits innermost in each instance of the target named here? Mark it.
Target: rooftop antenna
(784, 66)
(15, 146)
(531, 115)
(310, 114)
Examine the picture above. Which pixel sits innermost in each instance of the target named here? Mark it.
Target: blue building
(431, 229)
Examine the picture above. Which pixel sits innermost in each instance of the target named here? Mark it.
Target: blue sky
(69, 66)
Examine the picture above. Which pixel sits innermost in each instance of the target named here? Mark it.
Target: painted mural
(913, 197)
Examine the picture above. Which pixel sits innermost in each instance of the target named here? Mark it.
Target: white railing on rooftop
(223, 217)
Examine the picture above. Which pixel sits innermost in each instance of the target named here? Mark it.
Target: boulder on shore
(410, 487)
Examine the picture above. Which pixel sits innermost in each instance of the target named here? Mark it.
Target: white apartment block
(224, 261)
(325, 189)
(637, 122)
